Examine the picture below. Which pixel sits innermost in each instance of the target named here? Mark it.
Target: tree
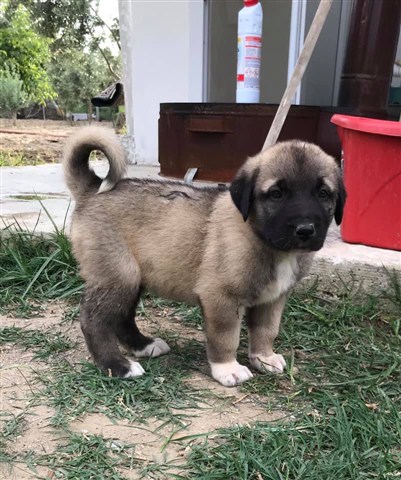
(12, 95)
(26, 53)
(80, 64)
(65, 22)
(69, 23)
(77, 76)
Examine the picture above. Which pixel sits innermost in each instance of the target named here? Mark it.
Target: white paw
(155, 349)
(231, 373)
(273, 363)
(135, 370)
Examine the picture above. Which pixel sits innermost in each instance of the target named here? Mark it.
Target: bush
(12, 96)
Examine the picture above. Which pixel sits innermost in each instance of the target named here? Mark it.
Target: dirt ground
(33, 142)
(18, 383)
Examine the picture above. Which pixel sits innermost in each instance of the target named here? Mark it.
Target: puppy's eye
(275, 194)
(324, 193)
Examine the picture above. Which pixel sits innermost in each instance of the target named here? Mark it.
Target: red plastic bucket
(372, 176)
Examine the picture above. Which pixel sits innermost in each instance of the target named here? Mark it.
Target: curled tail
(80, 178)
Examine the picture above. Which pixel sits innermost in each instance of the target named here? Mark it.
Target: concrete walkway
(19, 185)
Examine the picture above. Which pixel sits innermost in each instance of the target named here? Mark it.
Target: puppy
(232, 252)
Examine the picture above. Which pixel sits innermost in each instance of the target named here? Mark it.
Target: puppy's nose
(305, 230)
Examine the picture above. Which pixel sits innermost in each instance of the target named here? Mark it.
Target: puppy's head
(289, 194)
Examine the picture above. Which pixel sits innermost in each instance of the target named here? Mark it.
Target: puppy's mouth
(293, 244)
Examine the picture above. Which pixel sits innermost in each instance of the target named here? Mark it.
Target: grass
(44, 343)
(340, 397)
(79, 456)
(338, 344)
(86, 457)
(74, 390)
(12, 427)
(341, 394)
(29, 197)
(346, 441)
(19, 159)
(35, 268)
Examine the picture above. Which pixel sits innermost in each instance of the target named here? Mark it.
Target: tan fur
(182, 243)
(76, 171)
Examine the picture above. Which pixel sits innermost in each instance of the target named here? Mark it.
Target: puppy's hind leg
(102, 309)
(134, 341)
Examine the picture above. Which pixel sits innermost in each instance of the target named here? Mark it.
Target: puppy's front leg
(263, 324)
(222, 326)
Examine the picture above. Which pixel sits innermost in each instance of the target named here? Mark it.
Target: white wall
(162, 49)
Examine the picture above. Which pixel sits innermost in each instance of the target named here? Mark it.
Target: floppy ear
(342, 195)
(241, 190)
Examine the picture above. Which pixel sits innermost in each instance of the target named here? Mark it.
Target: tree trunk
(90, 112)
(14, 119)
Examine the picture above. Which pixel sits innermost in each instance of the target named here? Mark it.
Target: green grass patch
(71, 312)
(343, 345)
(29, 197)
(19, 159)
(35, 268)
(345, 441)
(341, 392)
(88, 457)
(163, 392)
(12, 427)
(44, 344)
(80, 456)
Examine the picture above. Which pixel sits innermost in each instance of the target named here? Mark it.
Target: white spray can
(250, 23)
